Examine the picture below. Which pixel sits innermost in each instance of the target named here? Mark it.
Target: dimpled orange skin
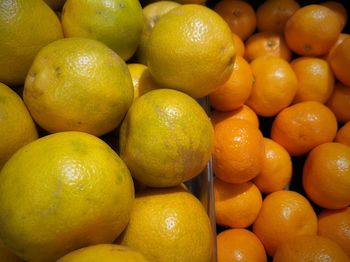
(244, 113)
(326, 175)
(303, 126)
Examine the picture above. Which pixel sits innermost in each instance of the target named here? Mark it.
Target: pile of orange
(281, 155)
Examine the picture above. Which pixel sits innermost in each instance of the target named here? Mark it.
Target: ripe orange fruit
(315, 79)
(312, 30)
(236, 205)
(272, 15)
(277, 168)
(340, 62)
(236, 90)
(339, 102)
(303, 126)
(266, 43)
(238, 150)
(340, 40)
(335, 224)
(244, 113)
(239, 15)
(283, 216)
(326, 175)
(339, 9)
(240, 48)
(274, 85)
(343, 134)
(310, 248)
(239, 245)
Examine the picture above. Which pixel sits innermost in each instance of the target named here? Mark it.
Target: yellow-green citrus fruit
(117, 23)
(7, 255)
(16, 125)
(169, 225)
(25, 27)
(105, 253)
(62, 192)
(166, 138)
(191, 49)
(78, 84)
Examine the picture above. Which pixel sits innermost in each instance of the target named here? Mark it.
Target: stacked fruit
(283, 191)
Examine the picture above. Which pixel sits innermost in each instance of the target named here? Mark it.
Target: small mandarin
(244, 113)
(340, 61)
(240, 48)
(340, 11)
(339, 102)
(340, 40)
(343, 134)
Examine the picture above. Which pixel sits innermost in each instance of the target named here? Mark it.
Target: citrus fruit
(340, 40)
(310, 248)
(16, 125)
(335, 224)
(236, 90)
(62, 192)
(343, 134)
(236, 205)
(239, 45)
(118, 24)
(105, 253)
(142, 79)
(274, 87)
(315, 79)
(326, 175)
(312, 30)
(151, 13)
(56, 5)
(238, 151)
(78, 84)
(7, 255)
(340, 11)
(244, 113)
(266, 43)
(277, 168)
(239, 15)
(23, 35)
(339, 102)
(284, 215)
(303, 126)
(340, 61)
(169, 225)
(166, 138)
(239, 245)
(272, 15)
(184, 45)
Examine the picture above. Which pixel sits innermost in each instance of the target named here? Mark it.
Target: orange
(244, 113)
(303, 126)
(239, 245)
(340, 40)
(272, 15)
(339, 102)
(326, 175)
(343, 134)
(238, 151)
(277, 168)
(315, 79)
(239, 15)
(310, 248)
(335, 224)
(283, 216)
(236, 90)
(339, 9)
(312, 30)
(240, 48)
(236, 205)
(266, 43)
(274, 87)
(340, 62)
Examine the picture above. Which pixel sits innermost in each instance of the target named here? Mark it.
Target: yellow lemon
(78, 84)
(16, 125)
(117, 23)
(166, 138)
(142, 79)
(25, 27)
(151, 13)
(191, 49)
(62, 192)
(105, 253)
(169, 225)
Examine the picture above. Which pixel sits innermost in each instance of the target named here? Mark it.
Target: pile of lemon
(95, 145)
